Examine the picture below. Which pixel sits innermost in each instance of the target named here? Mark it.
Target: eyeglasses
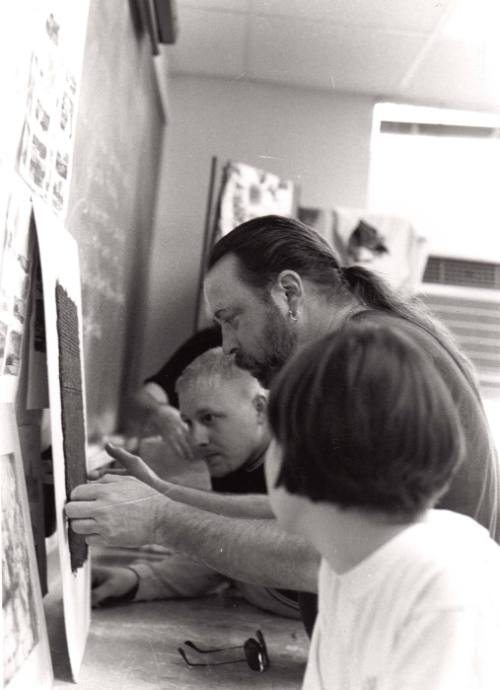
(255, 651)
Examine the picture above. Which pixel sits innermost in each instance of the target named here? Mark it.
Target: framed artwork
(245, 192)
(26, 655)
(58, 253)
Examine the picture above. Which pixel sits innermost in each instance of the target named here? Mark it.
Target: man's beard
(278, 343)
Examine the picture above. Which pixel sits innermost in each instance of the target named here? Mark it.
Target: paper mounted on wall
(47, 140)
(248, 192)
(15, 274)
(26, 655)
(63, 332)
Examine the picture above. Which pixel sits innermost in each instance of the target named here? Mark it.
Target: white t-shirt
(421, 613)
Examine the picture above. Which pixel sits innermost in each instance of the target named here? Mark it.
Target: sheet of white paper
(26, 655)
(59, 260)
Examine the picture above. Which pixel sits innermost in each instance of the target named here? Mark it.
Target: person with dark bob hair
(274, 286)
(367, 438)
(364, 420)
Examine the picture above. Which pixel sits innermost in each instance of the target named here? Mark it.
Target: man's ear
(260, 403)
(288, 290)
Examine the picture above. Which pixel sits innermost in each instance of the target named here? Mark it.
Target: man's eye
(207, 418)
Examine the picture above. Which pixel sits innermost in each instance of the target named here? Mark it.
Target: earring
(292, 315)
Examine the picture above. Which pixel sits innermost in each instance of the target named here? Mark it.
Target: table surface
(134, 646)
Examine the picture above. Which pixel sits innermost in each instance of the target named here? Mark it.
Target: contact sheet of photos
(49, 125)
(16, 263)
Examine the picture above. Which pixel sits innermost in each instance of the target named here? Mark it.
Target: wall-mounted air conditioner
(465, 295)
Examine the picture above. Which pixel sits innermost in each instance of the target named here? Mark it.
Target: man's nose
(229, 341)
(199, 434)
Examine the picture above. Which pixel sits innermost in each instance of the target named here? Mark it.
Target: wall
(319, 140)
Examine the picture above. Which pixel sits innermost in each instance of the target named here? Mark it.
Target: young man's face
(253, 329)
(226, 422)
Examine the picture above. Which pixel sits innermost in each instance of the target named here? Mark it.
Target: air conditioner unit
(465, 295)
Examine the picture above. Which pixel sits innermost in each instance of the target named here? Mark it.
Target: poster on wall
(15, 278)
(245, 192)
(63, 334)
(47, 138)
(26, 655)
(248, 192)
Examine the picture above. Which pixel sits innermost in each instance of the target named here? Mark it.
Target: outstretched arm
(121, 511)
(254, 551)
(236, 506)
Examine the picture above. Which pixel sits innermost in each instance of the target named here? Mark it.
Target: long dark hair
(267, 245)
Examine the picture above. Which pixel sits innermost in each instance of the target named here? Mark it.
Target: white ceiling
(442, 52)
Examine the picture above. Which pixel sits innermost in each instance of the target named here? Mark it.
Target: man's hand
(134, 465)
(168, 422)
(116, 511)
(113, 581)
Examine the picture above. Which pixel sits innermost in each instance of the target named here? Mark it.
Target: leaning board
(60, 272)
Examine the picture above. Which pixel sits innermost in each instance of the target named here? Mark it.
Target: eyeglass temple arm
(188, 643)
(218, 663)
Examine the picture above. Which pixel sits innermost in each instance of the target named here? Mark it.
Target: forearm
(254, 506)
(253, 551)
(175, 577)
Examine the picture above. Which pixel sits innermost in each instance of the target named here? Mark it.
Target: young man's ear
(260, 404)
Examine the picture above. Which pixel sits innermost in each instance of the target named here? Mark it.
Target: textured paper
(72, 412)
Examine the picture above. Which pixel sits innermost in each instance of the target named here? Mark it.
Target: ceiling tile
(225, 5)
(288, 50)
(406, 15)
(457, 71)
(209, 43)
(293, 51)
(375, 61)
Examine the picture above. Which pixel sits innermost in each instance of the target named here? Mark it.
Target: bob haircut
(365, 421)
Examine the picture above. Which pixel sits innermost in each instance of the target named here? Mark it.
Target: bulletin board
(111, 203)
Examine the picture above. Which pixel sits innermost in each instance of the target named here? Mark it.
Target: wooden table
(134, 646)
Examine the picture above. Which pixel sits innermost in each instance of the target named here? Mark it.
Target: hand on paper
(113, 581)
(116, 511)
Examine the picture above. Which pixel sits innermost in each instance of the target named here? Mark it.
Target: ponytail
(369, 289)
(373, 292)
